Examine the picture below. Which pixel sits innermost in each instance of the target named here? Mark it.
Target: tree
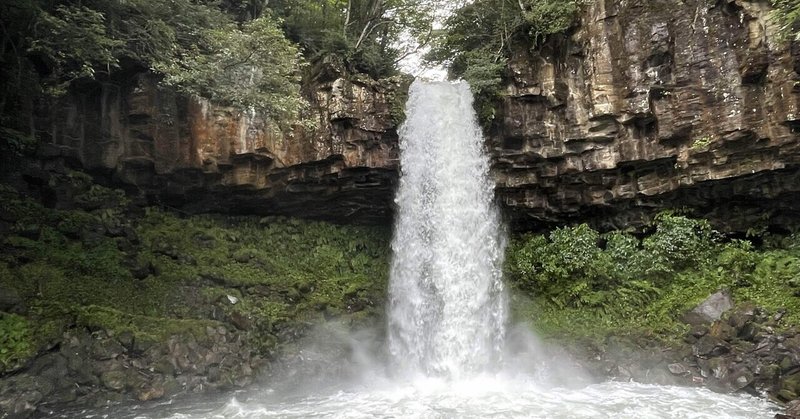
(198, 46)
(368, 35)
(252, 67)
(71, 43)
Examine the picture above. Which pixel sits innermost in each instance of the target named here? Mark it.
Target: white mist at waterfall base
(447, 351)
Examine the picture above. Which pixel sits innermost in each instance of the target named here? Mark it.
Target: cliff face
(646, 104)
(652, 104)
(189, 154)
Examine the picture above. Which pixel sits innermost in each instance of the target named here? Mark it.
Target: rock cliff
(644, 105)
(189, 154)
(654, 104)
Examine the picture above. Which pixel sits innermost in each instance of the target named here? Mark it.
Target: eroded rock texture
(645, 105)
(652, 104)
(190, 154)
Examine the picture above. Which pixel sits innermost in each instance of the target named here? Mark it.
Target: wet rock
(779, 315)
(792, 411)
(51, 365)
(126, 339)
(698, 331)
(114, 380)
(150, 393)
(107, 348)
(106, 398)
(65, 394)
(739, 379)
(742, 315)
(677, 369)
(722, 330)
(748, 332)
(25, 404)
(710, 346)
(710, 309)
(164, 366)
(241, 321)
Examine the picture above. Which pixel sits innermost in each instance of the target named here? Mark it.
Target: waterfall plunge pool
(480, 397)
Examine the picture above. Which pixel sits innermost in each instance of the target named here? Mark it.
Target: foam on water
(479, 397)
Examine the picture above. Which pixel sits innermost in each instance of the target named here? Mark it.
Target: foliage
(196, 45)
(254, 67)
(73, 42)
(584, 284)
(479, 36)
(787, 13)
(15, 340)
(368, 35)
(159, 274)
(678, 243)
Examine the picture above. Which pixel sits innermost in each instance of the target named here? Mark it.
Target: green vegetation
(479, 37)
(579, 283)
(15, 340)
(196, 46)
(157, 274)
(247, 54)
(787, 13)
(701, 143)
(367, 36)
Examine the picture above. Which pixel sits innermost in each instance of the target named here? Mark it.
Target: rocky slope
(644, 105)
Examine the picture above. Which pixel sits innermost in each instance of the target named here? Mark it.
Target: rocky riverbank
(743, 349)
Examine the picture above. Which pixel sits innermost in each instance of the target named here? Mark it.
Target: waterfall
(447, 306)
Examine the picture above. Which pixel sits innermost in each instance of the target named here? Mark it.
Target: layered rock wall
(644, 105)
(187, 153)
(653, 104)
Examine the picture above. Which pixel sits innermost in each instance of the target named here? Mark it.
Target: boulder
(710, 346)
(710, 309)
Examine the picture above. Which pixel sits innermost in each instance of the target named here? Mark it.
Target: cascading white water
(447, 307)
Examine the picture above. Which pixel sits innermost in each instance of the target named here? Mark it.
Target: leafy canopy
(197, 46)
(369, 36)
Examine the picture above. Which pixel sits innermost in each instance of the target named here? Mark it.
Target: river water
(479, 397)
(448, 353)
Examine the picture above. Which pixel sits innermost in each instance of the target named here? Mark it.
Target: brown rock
(642, 108)
(646, 104)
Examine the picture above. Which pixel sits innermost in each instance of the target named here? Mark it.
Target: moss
(305, 263)
(148, 328)
(17, 342)
(75, 268)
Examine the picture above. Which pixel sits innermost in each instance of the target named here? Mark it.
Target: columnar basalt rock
(188, 153)
(654, 104)
(643, 105)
